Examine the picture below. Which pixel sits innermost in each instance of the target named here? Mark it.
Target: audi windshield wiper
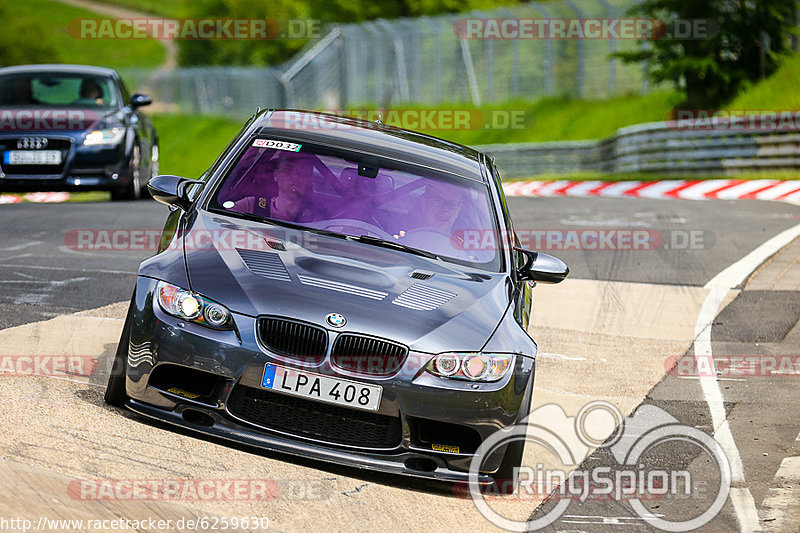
(368, 239)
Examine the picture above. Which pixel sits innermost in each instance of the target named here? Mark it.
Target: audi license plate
(323, 388)
(32, 157)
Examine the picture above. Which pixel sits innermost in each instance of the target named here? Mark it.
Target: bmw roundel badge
(336, 320)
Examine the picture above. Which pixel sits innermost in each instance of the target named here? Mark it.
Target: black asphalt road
(697, 238)
(42, 275)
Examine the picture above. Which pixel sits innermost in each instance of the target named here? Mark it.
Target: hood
(260, 269)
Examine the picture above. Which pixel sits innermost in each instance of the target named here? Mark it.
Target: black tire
(116, 393)
(133, 190)
(511, 460)
(155, 157)
(513, 457)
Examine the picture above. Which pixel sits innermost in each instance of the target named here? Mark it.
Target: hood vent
(421, 275)
(423, 298)
(264, 264)
(342, 287)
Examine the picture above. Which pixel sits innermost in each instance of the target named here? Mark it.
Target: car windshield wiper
(368, 239)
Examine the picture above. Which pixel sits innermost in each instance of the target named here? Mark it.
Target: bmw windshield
(380, 202)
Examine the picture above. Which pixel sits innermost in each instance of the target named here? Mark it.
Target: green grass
(164, 8)
(52, 19)
(568, 120)
(189, 144)
(548, 119)
(778, 92)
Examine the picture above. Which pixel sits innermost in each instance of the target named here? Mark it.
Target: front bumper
(82, 167)
(425, 406)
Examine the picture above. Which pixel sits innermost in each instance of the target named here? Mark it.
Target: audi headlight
(107, 136)
(471, 366)
(190, 306)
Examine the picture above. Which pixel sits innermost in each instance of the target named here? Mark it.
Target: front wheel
(132, 191)
(509, 468)
(116, 394)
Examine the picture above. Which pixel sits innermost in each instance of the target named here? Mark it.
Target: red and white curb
(36, 197)
(9, 199)
(47, 197)
(716, 189)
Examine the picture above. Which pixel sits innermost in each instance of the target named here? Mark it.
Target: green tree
(17, 47)
(743, 41)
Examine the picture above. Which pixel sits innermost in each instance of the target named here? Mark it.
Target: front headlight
(471, 366)
(187, 305)
(105, 136)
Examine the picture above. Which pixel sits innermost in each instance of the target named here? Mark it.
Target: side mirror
(541, 267)
(139, 100)
(171, 190)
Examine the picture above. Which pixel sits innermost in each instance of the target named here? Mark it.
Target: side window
(510, 237)
(126, 97)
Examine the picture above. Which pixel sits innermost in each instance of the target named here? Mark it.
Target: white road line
(729, 278)
(560, 356)
(780, 510)
(745, 507)
(37, 267)
(21, 246)
(718, 379)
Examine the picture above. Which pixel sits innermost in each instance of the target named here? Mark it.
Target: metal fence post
(612, 49)
(581, 51)
(548, 53)
(514, 58)
(469, 67)
(489, 70)
(437, 59)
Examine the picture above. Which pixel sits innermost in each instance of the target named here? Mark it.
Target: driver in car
(90, 93)
(292, 177)
(440, 206)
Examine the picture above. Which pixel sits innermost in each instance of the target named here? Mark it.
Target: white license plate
(323, 388)
(33, 157)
